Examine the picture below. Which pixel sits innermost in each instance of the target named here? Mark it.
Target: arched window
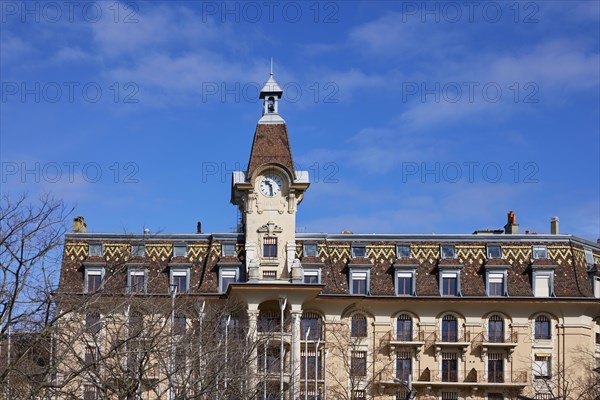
(542, 327)
(449, 328)
(312, 321)
(496, 329)
(359, 326)
(404, 328)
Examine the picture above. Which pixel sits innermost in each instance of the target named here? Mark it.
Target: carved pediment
(270, 228)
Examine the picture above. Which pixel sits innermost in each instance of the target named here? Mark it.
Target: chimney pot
(199, 227)
(79, 225)
(554, 226)
(511, 226)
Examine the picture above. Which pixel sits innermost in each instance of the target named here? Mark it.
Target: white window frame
(542, 274)
(489, 246)
(96, 246)
(406, 273)
(442, 246)
(137, 272)
(444, 273)
(489, 275)
(596, 283)
(180, 245)
(93, 271)
(360, 271)
(312, 272)
(304, 247)
(227, 272)
(539, 248)
(538, 368)
(137, 247)
(398, 246)
(359, 246)
(226, 253)
(179, 272)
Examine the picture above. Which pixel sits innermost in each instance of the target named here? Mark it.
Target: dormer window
(359, 251)
(496, 283)
(312, 276)
(309, 250)
(180, 280)
(494, 251)
(543, 283)
(228, 250)
(589, 257)
(95, 249)
(447, 251)
(228, 276)
(450, 282)
(539, 252)
(93, 279)
(138, 250)
(403, 251)
(180, 250)
(405, 283)
(136, 281)
(359, 282)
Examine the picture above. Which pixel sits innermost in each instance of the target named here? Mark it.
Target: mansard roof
(204, 259)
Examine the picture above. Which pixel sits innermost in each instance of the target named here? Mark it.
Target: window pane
(310, 250)
(494, 251)
(404, 285)
(359, 326)
(404, 329)
(228, 249)
(270, 247)
(359, 252)
(447, 251)
(312, 279)
(403, 251)
(94, 281)
(449, 286)
(180, 282)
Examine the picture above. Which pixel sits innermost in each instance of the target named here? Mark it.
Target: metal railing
(511, 337)
(471, 376)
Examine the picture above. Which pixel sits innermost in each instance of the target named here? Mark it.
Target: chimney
(79, 225)
(554, 226)
(199, 227)
(511, 227)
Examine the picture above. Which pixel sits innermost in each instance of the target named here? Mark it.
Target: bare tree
(31, 234)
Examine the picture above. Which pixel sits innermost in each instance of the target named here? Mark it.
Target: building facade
(269, 313)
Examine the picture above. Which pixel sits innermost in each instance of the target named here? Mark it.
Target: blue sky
(411, 117)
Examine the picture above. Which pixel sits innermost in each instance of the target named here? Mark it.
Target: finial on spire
(271, 73)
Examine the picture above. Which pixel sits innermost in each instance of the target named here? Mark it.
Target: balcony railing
(512, 337)
(471, 376)
(452, 337)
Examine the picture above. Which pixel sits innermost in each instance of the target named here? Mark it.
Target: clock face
(270, 185)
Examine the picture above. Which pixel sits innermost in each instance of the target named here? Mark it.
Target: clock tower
(268, 194)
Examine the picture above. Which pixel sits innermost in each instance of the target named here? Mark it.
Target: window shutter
(542, 286)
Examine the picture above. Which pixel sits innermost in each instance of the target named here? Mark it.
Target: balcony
(471, 377)
(396, 339)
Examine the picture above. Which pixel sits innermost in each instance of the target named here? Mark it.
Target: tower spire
(271, 71)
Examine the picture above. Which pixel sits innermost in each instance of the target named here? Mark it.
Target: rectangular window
(449, 284)
(359, 282)
(542, 328)
(542, 366)
(227, 276)
(539, 252)
(180, 250)
(228, 249)
(311, 276)
(494, 251)
(309, 363)
(138, 250)
(269, 275)
(358, 363)
(93, 279)
(495, 284)
(309, 250)
(359, 326)
(449, 396)
(92, 323)
(448, 251)
(359, 251)
(95, 249)
(589, 257)
(495, 368)
(597, 287)
(91, 355)
(90, 392)
(542, 286)
(449, 367)
(137, 281)
(404, 283)
(403, 251)
(270, 247)
(268, 361)
(359, 395)
(179, 325)
(180, 281)
(403, 366)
